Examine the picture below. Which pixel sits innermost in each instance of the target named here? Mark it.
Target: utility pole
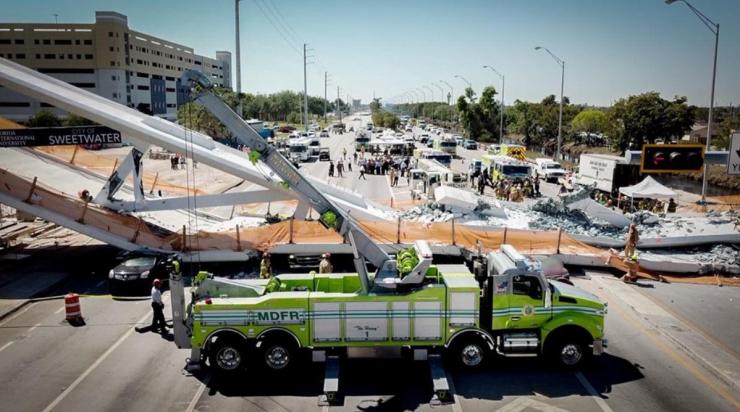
(326, 75)
(339, 109)
(238, 57)
(305, 91)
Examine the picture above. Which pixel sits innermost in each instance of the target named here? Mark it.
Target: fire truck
(500, 304)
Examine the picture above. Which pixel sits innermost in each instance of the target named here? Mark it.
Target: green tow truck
(504, 306)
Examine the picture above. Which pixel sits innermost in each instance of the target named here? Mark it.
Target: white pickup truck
(549, 169)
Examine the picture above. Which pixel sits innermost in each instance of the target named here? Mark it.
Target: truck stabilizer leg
(440, 385)
(331, 381)
(194, 363)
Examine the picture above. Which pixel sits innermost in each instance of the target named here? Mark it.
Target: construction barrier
(72, 308)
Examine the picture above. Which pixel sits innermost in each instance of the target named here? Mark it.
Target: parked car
(458, 139)
(286, 129)
(470, 144)
(135, 274)
(324, 133)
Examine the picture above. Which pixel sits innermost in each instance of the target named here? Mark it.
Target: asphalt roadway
(47, 364)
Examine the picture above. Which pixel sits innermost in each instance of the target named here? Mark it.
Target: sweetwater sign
(55, 136)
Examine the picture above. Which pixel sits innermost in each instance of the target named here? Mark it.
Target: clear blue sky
(611, 48)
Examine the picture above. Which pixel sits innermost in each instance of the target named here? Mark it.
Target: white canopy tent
(648, 188)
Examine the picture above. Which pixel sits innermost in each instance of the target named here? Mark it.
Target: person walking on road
(331, 169)
(362, 173)
(392, 177)
(158, 323)
(344, 153)
(340, 168)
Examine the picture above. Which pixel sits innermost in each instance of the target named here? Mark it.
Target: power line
(275, 26)
(283, 20)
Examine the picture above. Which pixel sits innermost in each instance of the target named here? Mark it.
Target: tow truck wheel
(277, 354)
(227, 356)
(568, 353)
(469, 353)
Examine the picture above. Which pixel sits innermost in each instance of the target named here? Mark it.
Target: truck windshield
(448, 143)
(552, 166)
(297, 149)
(516, 170)
(444, 159)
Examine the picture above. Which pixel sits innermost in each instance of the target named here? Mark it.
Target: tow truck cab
(533, 315)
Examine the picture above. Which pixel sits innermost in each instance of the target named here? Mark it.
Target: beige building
(109, 59)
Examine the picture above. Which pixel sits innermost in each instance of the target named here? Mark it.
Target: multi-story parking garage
(107, 58)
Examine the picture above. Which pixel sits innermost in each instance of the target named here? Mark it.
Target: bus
(447, 145)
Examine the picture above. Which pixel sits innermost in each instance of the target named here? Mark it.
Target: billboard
(56, 136)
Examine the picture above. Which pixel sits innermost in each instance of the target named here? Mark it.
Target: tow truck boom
(363, 247)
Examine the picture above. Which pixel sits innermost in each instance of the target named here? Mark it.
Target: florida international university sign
(55, 136)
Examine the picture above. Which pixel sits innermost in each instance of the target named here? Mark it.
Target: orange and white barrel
(72, 307)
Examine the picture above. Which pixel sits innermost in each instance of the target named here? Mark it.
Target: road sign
(733, 158)
(55, 136)
(671, 158)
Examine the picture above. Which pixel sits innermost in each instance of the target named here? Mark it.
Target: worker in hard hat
(158, 323)
(265, 267)
(631, 242)
(325, 264)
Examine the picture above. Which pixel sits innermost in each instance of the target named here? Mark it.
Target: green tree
(44, 118)
(590, 121)
(375, 105)
(295, 117)
(646, 117)
(75, 120)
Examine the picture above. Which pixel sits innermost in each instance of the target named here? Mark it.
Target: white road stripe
(6, 345)
(194, 402)
(595, 395)
(101, 283)
(33, 327)
(59, 310)
(92, 367)
(16, 314)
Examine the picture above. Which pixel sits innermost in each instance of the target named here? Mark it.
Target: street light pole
(452, 91)
(562, 83)
(465, 80)
(714, 28)
(503, 85)
(431, 92)
(238, 57)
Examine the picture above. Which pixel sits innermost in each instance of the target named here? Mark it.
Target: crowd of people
(506, 189)
(627, 205)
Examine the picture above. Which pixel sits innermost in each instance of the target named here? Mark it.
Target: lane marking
(687, 363)
(6, 345)
(32, 328)
(594, 394)
(92, 367)
(101, 283)
(58, 311)
(16, 314)
(194, 402)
